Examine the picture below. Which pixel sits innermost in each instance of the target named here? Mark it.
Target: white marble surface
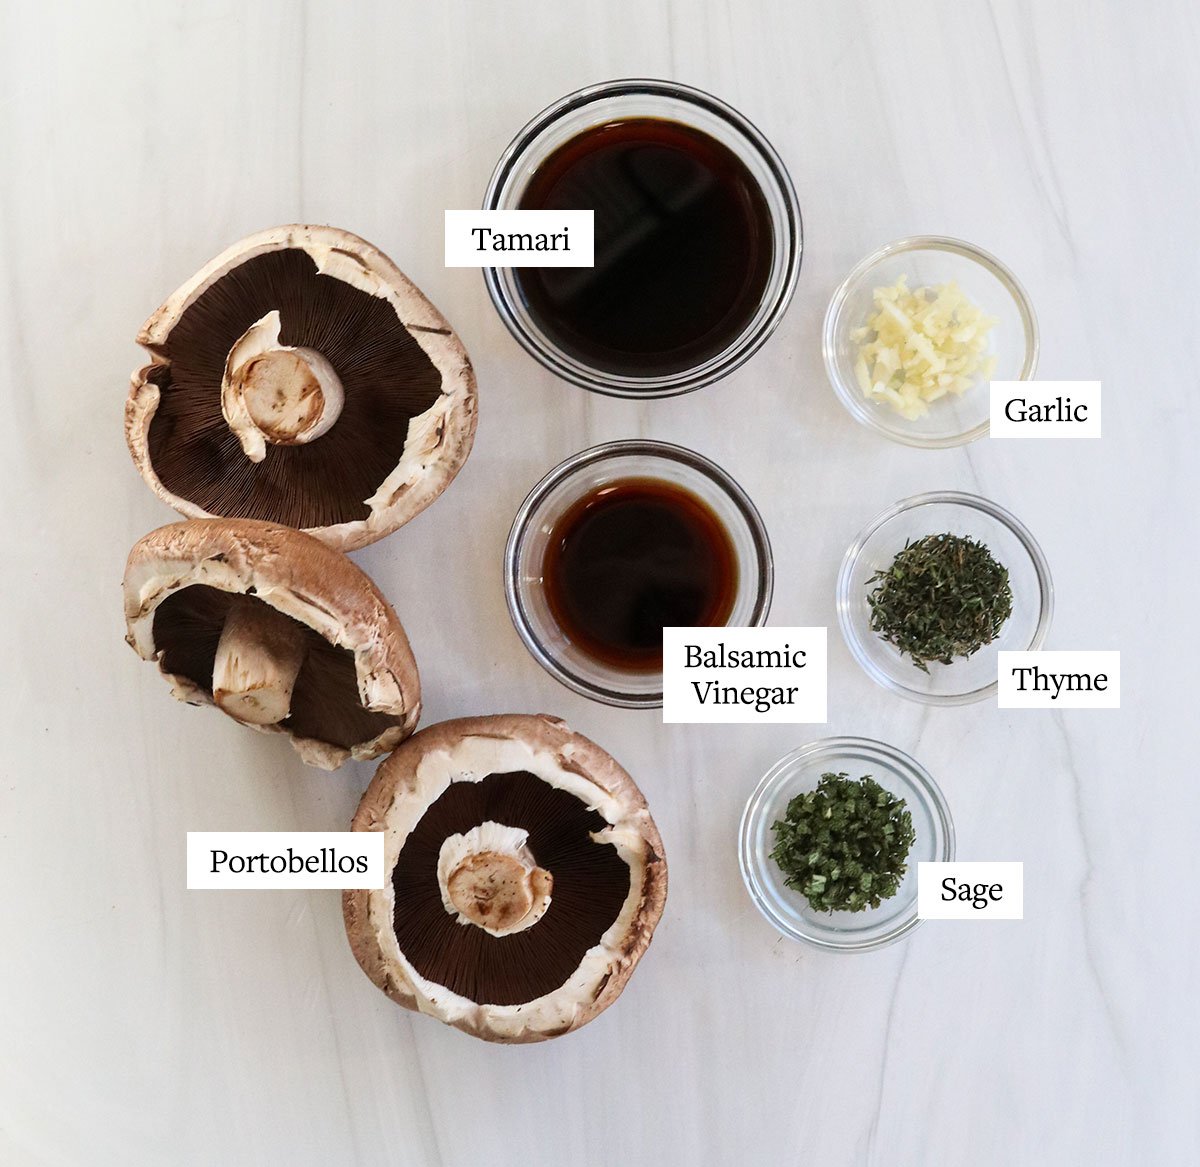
(142, 1024)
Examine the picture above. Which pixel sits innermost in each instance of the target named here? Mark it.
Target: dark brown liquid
(631, 559)
(683, 248)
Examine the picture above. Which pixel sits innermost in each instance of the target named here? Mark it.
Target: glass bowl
(633, 98)
(580, 475)
(969, 678)
(929, 260)
(800, 771)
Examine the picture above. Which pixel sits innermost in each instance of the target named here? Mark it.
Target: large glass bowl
(800, 771)
(569, 117)
(928, 260)
(580, 475)
(970, 678)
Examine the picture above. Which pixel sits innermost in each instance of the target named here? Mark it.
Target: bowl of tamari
(776, 880)
(935, 588)
(697, 238)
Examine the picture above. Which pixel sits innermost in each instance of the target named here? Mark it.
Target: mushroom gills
(385, 377)
(324, 704)
(590, 885)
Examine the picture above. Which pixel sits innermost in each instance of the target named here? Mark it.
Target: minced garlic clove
(920, 345)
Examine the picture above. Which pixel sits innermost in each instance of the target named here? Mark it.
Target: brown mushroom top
(302, 309)
(525, 877)
(356, 690)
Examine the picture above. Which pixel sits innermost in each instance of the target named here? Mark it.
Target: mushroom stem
(258, 659)
(496, 891)
(489, 878)
(275, 393)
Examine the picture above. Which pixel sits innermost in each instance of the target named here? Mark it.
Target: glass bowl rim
(851, 396)
(912, 503)
(933, 799)
(571, 466)
(744, 346)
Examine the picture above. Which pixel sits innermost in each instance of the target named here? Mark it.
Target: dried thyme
(844, 845)
(943, 597)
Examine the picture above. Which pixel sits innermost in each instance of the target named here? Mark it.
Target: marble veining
(143, 1024)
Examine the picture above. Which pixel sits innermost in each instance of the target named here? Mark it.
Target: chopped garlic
(920, 345)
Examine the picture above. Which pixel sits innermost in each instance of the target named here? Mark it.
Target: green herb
(843, 846)
(944, 596)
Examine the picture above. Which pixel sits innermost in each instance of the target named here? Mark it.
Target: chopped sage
(844, 845)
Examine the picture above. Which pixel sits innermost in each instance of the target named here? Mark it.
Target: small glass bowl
(620, 100)
(801, 770)
(970, 678)
(580, 475)
(930, 260)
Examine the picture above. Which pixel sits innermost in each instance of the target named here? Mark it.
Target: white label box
(1045, 409)
(256, 860)
(519, 238)
(971, 891)
(1059, 680)
(739, 675)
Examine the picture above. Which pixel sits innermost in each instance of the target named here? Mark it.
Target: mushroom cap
(357, 694)
(409, 412)
(604, 904)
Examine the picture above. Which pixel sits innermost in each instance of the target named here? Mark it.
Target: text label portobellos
(284, 859)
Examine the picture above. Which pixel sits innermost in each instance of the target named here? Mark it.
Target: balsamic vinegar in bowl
(621, 541)
(631, 558)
